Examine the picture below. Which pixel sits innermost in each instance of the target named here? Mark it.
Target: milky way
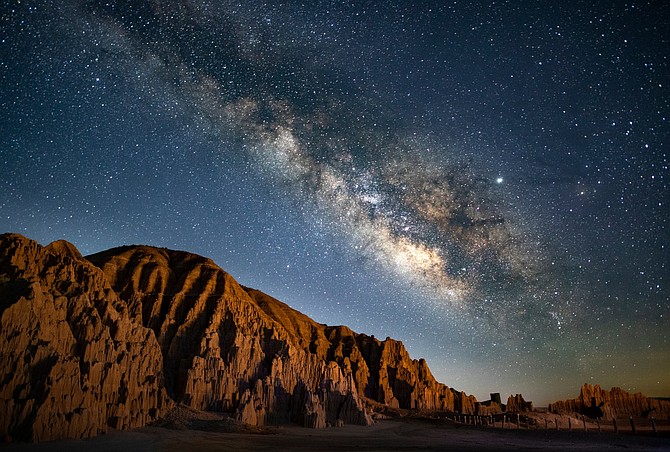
(487, 182)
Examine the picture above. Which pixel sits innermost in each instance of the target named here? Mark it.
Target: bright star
(499, 180)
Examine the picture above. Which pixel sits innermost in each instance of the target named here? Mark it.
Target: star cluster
(486, 181)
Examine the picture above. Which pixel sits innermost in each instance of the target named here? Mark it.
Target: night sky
(485, 181)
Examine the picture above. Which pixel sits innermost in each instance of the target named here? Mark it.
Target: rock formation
(490, 407)
(204, 320)
(593, 401)
(115, 339)
(72, 361)
(222, 351)
(516, 404)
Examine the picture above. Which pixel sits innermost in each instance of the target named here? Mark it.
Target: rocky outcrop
(516, 404)
(490, 407)
(249, 336)
(386, 374)
(222, 351)
(204, 320)
(114, 339)
(73, 363)
(595, 402)
(382, 370)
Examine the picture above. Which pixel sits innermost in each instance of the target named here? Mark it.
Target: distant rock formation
(114, 339)
(516, 404)
(489, 407)
(72, 361)
(595, 402)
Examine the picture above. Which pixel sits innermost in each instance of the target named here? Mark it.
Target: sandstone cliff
(222, 351)
(383, 370)
(262, 348)
(115, 339)
(72, 361)
(593, 401)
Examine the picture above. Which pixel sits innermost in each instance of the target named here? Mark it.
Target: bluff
(595, 402)
(221, 351)
(73, 363)
(116, 338)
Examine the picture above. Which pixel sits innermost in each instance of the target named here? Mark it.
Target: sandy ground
(393, 434)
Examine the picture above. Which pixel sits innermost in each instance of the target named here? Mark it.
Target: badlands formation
(116, 339)
(125, 337)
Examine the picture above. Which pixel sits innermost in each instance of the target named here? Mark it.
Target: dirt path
(397, 434)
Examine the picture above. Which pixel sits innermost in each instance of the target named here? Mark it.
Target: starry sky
(485, 181)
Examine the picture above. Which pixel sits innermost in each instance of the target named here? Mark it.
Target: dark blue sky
(486, 181)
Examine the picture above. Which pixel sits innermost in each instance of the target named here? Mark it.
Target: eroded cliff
(221, 350)
(73, 363)
(595, 402)
(116, 338)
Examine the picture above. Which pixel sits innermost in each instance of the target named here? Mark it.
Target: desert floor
(392, 434)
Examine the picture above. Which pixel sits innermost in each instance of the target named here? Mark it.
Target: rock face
(490, 407)
(516, 404)
(72, 361)
(232, 348)
(385, 373)
(222, 351)
(115, 339)
(593, 401)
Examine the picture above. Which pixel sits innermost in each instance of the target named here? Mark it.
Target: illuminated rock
(593, 401)
(72, 361)
(113, 340)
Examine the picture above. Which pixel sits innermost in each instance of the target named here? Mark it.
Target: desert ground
(211, 433)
